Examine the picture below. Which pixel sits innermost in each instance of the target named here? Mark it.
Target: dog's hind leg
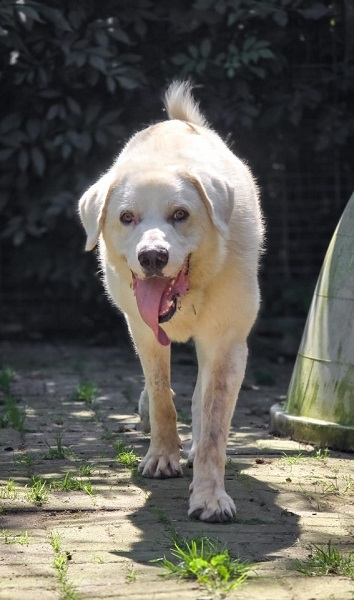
(144, 411)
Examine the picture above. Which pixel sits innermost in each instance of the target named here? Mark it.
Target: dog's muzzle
(157, 296)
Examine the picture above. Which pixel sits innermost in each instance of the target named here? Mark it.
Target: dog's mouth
(157, 299)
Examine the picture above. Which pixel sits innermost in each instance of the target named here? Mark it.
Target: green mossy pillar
(320, 403)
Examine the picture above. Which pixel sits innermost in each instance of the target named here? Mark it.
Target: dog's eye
(126, 218)
(180, 214)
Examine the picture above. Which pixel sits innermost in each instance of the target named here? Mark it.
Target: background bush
(78, 78)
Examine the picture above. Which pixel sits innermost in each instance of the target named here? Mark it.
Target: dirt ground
(288, 495)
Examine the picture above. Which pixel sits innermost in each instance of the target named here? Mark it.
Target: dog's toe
(160, 467)
(214, 507)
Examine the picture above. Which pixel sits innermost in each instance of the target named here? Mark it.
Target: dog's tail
(180, 104)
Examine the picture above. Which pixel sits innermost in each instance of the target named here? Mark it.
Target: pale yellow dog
(179, 229)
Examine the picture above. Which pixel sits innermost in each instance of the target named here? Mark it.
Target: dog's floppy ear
(93, 208)
(217, 197)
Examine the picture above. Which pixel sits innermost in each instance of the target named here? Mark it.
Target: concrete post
(320, 403)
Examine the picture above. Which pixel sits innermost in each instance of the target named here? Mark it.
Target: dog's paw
(212, 506)
(160, 466)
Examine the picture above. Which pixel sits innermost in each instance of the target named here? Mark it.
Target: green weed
(12, 415)
(70, 483)
(131, 575)
(327, 561)
(292, 459)
(98, 559)
(61, 561)
(25, 459)
(333, 486)
(210, 565)
(86, 391)
(85, 470)
(36, 492)
(6, 378)
(60, 564)
(60, 451)
(126, 456)
(55, 541)
(321, 454)
(162, 517)
(9, 491)
(13, 538)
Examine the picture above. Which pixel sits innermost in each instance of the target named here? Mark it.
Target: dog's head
(156, 223)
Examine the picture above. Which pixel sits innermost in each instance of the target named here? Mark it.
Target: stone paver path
(287, 496)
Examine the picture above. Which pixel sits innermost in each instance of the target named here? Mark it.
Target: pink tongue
(148, 294)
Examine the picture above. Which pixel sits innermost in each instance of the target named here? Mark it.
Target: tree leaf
(315, 12)
(38, 160)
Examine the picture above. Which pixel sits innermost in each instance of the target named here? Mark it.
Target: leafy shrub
(78, 78)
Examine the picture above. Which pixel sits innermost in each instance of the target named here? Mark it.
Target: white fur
(182, 164)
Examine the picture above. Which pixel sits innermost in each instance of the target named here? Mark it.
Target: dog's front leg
(162, 458)
(222, 372)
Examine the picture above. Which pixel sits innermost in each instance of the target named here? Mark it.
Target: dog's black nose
(153, 261)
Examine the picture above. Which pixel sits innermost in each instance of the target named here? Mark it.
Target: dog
(179, 228)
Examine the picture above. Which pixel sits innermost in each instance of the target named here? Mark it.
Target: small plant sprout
(6, 378)
(60, 564)
(25, 460)
(208, 564)
(8, 491)
(293, 459)
(55, 541)
(85, 470)
(327, 560)
(334, 486)
(131, 575)
(60, 452)
(70, 483)
(12, 415)
(321, 454)
(126, 456)
(36, 492)
(86, 391)
(15, 538)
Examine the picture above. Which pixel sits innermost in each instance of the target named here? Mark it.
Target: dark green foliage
(78, 78)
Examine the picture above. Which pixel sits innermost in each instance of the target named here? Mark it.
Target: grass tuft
(55, 541)
(60, 564)
(126, 455)
(70, 483)
(292, 459)
(36, 492)
(209, 564)
(321, 454)
(86, 392)
(12, 415)
(327, 560)
(15, 538)
(60, 451)
(9, 491)
(6, 378)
